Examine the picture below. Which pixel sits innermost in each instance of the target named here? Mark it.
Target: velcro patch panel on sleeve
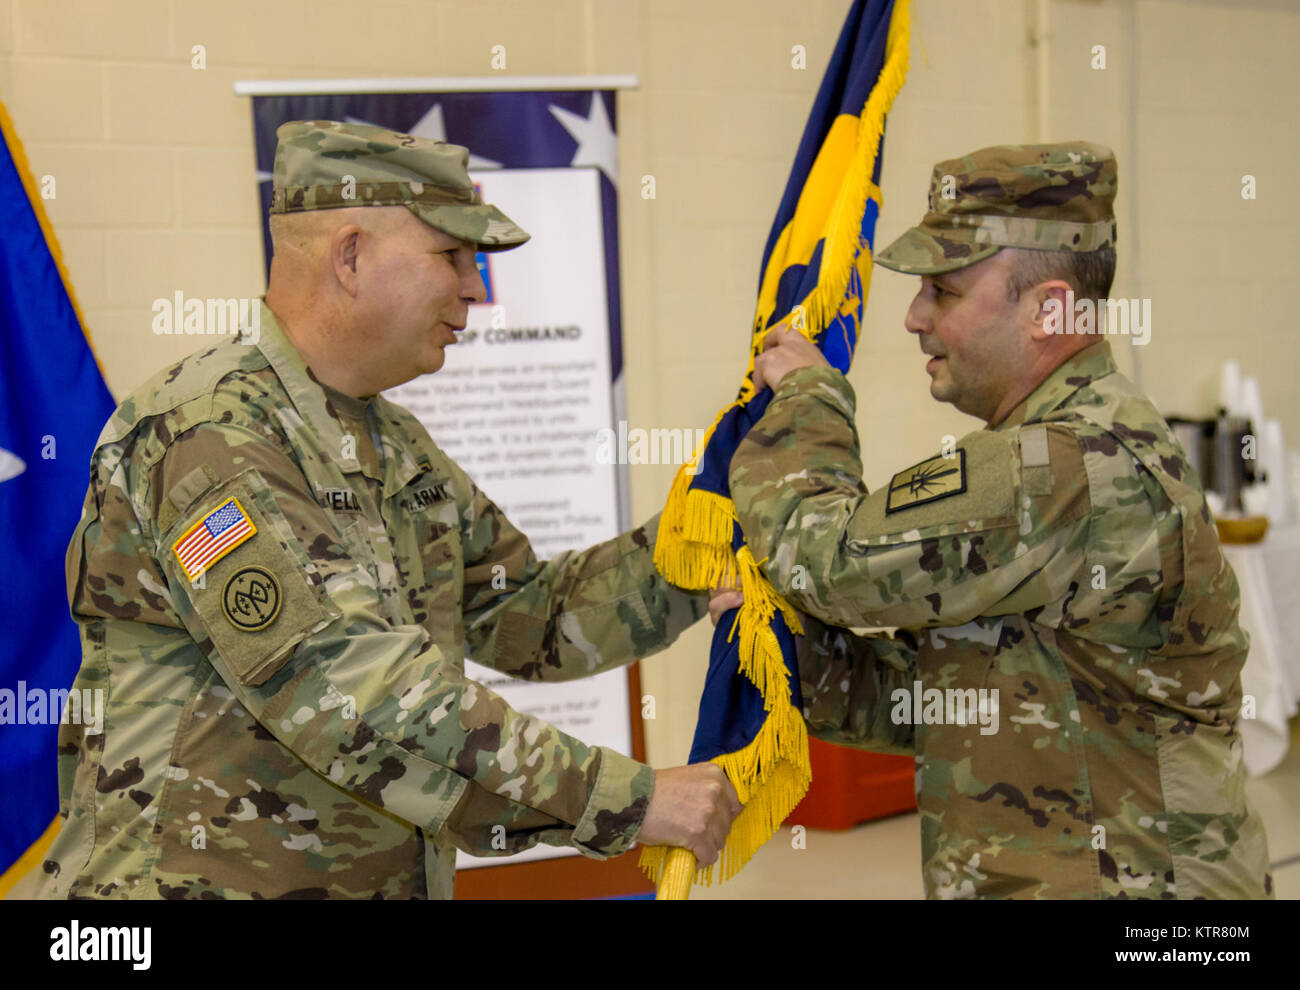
(258, 604)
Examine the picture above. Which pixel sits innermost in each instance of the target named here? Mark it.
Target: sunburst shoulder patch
(933, 479)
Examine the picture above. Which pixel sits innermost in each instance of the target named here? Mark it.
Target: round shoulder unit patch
(251, 598)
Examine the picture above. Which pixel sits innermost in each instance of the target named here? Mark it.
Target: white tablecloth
(1269, 574)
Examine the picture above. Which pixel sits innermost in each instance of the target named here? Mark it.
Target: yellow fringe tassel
(772, 774)
(774, 754)
(693, 549)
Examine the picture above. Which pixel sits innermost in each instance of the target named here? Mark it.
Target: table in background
(1269, 574)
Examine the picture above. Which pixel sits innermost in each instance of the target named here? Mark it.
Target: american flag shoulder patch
(212, 537)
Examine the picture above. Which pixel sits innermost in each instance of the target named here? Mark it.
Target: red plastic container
(851, 786)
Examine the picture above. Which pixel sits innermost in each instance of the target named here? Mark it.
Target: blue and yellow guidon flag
(814, 277)
(53, 403)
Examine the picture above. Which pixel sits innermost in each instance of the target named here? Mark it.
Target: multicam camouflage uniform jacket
(297, 722)
(1065, 559)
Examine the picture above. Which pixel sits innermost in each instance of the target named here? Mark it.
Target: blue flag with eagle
(53, 403)
(814, 277)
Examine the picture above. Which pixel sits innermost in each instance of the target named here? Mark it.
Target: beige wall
(154, 166)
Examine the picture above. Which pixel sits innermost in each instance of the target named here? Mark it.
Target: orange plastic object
(850, 786)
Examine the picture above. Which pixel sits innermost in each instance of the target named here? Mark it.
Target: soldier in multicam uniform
(277, 574)
(1063, 556)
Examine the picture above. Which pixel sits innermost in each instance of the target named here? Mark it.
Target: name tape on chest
(424, 497)
(212, 537)
(338, 499)
(933, 479)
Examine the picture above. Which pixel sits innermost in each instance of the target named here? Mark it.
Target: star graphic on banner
(597, 144)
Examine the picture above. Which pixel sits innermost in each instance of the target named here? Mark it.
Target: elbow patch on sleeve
(518, 643)
(236, 560)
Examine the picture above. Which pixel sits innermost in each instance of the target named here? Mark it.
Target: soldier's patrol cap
(1045, 197)
(327, 164)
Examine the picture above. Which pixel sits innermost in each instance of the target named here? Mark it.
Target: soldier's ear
(344, 248)
(1049, 308)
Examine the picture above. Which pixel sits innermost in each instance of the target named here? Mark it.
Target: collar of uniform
(1093, 362)
(346, 405)
(305, 392)
(405, 440)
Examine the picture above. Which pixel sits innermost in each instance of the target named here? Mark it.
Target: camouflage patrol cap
(1045, 197)
(326, 164)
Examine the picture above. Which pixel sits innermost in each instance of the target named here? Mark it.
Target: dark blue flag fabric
(53, 404)
(814, 276)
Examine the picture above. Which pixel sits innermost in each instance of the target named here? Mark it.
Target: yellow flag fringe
(693, 551)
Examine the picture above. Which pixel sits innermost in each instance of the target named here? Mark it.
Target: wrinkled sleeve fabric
(578, 614)
(848, 681)
(373, 706)
(981, 529)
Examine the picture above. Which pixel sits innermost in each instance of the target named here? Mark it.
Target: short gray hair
(305, 231)
(1090, 273)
